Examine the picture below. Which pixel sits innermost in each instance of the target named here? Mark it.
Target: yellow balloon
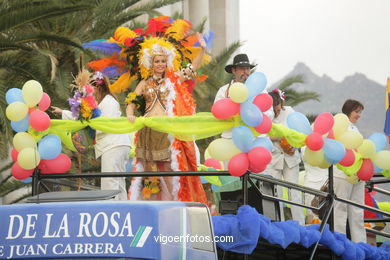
(16, 111)
(324, 164)
(351, 139)
(32, 92)
(207, 156)
(353, 179)
(222, 149)
(23, 140)
(367, 149)
(341, 124)
(238, 92)
(29, 158)
(382, 159)
(314, 158)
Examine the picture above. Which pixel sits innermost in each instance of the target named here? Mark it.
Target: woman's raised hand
(201, 40)
(131, 118)
(56, 110)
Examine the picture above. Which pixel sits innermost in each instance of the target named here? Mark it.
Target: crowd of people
(162, 91)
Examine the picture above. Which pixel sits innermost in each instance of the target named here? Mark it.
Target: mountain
(333, 94)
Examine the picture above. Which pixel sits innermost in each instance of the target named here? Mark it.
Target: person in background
(344, 188)
(285, 158)
(114, 149)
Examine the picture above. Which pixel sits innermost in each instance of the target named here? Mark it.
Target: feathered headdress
(131, 51)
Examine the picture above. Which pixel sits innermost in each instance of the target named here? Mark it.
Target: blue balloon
(299, 122)
(334, 151)
(379, 140)
(22, 125)
(242, 138)
(377, 169)
(255, 83)
(262, 142)
(49, 147)
(13, 95)
(250, 114)
(28, 180)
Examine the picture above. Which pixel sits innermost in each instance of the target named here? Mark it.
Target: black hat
(240, 60)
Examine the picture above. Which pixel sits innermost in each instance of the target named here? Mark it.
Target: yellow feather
(122, 83)
(121, 34)
(179, 29)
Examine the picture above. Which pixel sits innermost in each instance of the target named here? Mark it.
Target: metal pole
(245, 179)
(331, 195)
(35, 182)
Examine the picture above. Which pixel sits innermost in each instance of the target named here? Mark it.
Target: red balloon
(366, 171)
(225, 108)
(31, 109)
(210, 162)
(323, 123)
(263, 101)
(238, 164)
(331, 134)
(265, 125)
(20, 173)
(257, 170)
(45, 102)
(259, 157)
(348, 159)
(14, 155)
(39, 120)
(60, 164)
(314, 141)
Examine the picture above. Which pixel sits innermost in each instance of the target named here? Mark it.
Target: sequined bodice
(155, 91)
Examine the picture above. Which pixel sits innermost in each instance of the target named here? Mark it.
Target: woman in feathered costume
(164, 58)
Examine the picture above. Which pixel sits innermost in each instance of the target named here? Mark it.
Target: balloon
(225, 108)
(14, 95)
(298, 121)
(49, 147)
(222, 149)
(324, 164)
(14, 154)
(20, 173)
(341, 124)
(314, 141)
(39, 120)
(353, 179)
(256, 83)
(250, 114)
(22, 125)
(334, 151)
(23, 140)
(262, 142)
(367, 149)
(314, 158)
(351, 139)
(28, 180)
(259, 157)
(265, 125)
(382, 159)
(238, 92)
(331, 135)
(238, 164)
(263, 101)
(28, 158)
(210, 162)
(348, 159)
(60, 164)
(256, 170)
(242, 138)
(366, 171)
(323, 123)
(377, 169)
(44, 103)
(32, 92)
(379, 140)
(16, 111)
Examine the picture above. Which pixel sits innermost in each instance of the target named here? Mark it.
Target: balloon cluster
(331, 142)
(26, 109)
(245, 152)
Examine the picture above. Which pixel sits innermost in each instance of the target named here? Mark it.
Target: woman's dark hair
(351, 105)
(276, 98)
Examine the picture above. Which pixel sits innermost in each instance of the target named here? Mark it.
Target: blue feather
(112, 71)
(107, 48)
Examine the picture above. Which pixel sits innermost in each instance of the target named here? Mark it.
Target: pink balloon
(259, 157)
(265, 125)
(60, 164)
(348, 159)
(39, 120)
(238, 164)
(31, 109)
(257, 170)
(263, 101)
(45, 102)
(14, 155)
(20, 173)
(323, 123)
(366, 171)
(314, 141)
(331, 134)
(225, 108)
(210, 162)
